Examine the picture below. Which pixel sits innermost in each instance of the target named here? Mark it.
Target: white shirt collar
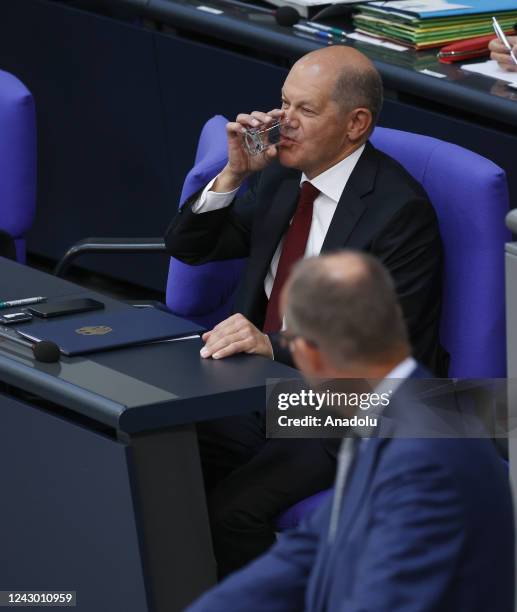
(332, 182)
(400, 372)
(389, 384)
(393, 379)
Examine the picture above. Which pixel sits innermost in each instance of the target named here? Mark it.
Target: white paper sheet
(371, 40)
(305, 3)
(491, 69)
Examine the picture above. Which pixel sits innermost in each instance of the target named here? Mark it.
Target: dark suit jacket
(426, 525)
(382, 210)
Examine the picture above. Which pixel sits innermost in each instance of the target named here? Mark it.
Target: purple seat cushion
(204, 294)
(470, 196)
(292, 517)
(17, 159)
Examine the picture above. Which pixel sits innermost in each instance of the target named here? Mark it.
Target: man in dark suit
(415, 524)
(323, 187)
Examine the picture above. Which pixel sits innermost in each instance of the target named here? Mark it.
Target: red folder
(467, 49)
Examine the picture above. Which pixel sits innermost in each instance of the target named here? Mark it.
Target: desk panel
(104, 490)
(65, 518)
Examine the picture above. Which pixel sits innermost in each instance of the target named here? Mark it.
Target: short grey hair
(346, 304)
(357, 87)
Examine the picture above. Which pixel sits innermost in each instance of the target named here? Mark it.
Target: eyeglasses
(287, 338)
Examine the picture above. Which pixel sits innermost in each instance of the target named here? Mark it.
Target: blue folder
(78, 335)
(472, 7)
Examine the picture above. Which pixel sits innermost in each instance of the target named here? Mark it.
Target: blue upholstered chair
(470, 197)
(17, 160)
(204, 293)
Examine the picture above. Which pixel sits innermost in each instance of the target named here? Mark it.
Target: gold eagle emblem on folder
(94, 330)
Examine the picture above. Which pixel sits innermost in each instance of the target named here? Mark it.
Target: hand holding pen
(503, 49)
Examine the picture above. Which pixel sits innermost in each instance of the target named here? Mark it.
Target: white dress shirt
(330, 184)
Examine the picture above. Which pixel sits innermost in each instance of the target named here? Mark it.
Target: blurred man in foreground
(414, 524)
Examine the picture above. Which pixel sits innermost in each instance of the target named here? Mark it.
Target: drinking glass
(258, 139)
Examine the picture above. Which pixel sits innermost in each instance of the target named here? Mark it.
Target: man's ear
(359, 124)
(307, 357)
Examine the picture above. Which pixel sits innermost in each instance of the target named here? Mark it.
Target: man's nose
(292, 119)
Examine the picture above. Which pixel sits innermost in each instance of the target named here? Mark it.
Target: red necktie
(293, 249)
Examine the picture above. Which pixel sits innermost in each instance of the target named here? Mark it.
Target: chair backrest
(204, 294)
(17, 160)
(469, 194)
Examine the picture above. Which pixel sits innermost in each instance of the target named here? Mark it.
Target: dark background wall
(120, 106)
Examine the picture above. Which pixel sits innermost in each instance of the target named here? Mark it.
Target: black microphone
(287, 16)
(45, 350)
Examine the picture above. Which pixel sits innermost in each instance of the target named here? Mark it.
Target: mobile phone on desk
(15, 317)
(65, 307)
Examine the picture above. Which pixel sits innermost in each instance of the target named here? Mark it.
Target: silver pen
(502, 37)
(331, 30)
(313, 31)
(23, 302)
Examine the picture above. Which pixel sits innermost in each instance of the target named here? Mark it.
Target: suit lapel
(349, 210)
(354, 500)
(351, 205)
(356, 490)
(279, 213)
(360, 479)
(274, 225)
(361, 475)
(276, 219)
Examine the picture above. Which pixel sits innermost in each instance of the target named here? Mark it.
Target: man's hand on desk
(235, 335)
(501, 55)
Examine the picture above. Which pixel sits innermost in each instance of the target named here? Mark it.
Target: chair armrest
(511, 221)
(108, 245)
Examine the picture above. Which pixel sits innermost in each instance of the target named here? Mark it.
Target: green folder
(421, 33)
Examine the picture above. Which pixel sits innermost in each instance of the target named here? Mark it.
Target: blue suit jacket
(425, 525)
